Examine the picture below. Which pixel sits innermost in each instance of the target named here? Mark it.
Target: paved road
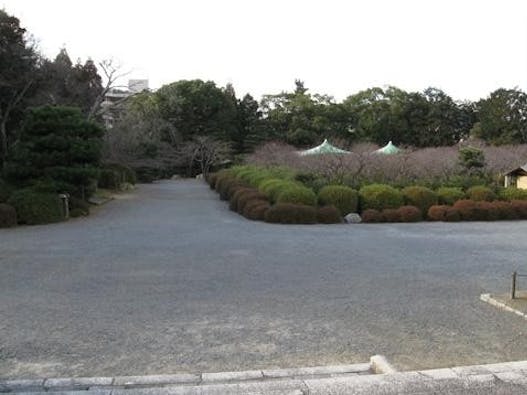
(168, 280)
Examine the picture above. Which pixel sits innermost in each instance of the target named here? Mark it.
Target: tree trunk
(3, 144)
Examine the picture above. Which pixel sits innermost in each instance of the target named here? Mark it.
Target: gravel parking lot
(168, 280)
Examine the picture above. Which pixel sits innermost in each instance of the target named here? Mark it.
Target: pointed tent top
(388, 149)
(324, 148)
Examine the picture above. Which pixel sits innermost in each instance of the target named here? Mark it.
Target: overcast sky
(466, 47)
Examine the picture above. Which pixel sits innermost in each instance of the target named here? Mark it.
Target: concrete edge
(187, 379)
(487, 298)
(380, 365)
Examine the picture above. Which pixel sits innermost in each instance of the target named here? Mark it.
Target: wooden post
(513, 288)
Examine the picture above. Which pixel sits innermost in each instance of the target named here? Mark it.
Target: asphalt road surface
(168, 280)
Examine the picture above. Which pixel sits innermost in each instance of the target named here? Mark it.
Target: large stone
(353, 218)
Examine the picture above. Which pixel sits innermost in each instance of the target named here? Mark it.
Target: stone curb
(487, 298)
(502, 378)
(106, 385)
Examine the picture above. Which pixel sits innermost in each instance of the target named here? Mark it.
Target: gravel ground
(168, 280)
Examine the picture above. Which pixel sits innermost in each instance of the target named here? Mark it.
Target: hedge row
(295, 204)
(401, 214)
(479, 210)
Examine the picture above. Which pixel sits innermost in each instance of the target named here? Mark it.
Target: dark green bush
(329, 215)
(371, 216)
(126, 173)
(297, 195)
(7, 216)
(5, 191)
(77, 212)
(342, 197)
(109, 179)
(79, 205)
(35, 208)
(420, 197)
(449, 195)
(512, 194)
(379, 197)
(410, 214)
(287, 213)
(481, 193)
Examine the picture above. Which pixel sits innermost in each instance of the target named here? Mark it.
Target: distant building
(517, 178)
(117, 96)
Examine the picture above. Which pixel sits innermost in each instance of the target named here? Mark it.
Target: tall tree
(18, 63)
(503, 117)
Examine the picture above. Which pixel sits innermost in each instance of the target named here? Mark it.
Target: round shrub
(420, 197)
(391, 215)
(233, 201)
(481, 193)
(487, 211)
(35, 208)
(274, 186)
(371, 216)
(437, 213)
(329, 215)
(512, 194)
(344, 198)
(452, 215)
(297, 195)
(466, 209)
(287, 213)
(379, 197)
(255, 209)
(520, 207)
(505, 210)
(246, 197)
(410, 214)
(7, 216)
(449, 195)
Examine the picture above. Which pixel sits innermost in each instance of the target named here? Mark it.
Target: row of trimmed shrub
(289, 205)
(462, 210)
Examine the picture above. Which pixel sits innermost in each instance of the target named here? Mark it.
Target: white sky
(466, 47)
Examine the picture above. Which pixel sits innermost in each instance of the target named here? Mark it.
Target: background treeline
(189, 125)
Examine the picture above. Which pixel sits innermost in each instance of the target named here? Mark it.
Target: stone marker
(353, 218)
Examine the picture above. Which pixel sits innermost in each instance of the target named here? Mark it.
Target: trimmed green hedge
(512, 194)
(480, 193)
(297, 195)
(420, 197)
(5, 191)
(344, 198)
(449, 195)
(35, 208)
(379, 197)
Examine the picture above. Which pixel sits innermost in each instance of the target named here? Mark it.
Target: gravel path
(168, 280)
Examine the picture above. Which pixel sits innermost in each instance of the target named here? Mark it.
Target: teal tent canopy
(388, 149)
(324, 148)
